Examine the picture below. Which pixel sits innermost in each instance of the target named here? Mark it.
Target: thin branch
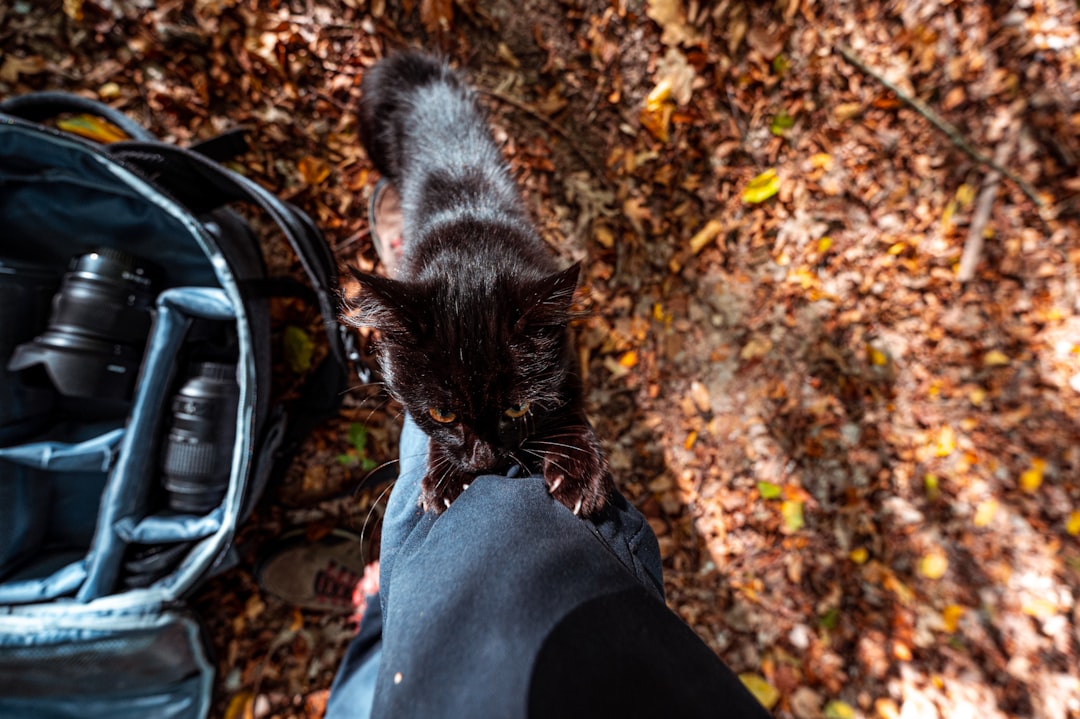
(557, 129)
(950, 130)
(969, 260)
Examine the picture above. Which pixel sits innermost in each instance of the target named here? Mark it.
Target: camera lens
(197, 459)
(98, 326)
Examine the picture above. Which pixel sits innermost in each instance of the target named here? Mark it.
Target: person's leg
(353, 690)
(508, 605)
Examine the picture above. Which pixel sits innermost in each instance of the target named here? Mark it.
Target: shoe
(385, 225)
(321, 575)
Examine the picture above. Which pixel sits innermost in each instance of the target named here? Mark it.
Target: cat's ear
(381, 303)
(549, 301)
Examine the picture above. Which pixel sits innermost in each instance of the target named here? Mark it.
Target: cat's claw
(438, 492)
(579, 478)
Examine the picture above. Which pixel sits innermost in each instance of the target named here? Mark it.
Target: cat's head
(480, 364)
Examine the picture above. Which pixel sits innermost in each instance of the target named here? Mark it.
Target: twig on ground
(969, 260)
(554, 127)
(950, 130)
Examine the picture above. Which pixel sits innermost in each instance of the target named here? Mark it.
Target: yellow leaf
(846, 110)
(897, 248)
(604, 236)
(792, 512)
(691, 439)
(984, 513)
(951, 615)
(92, 128)
(886, 708)
(109, 91)
(946, 442)
(1032, 478)
(240, 706)
(298, 348)
(768, 490)
(1039, 608)
(821, 161)
(764, 692)
(947, 214)
(1072, 526)
(659, 95)
(859, 555)
(901, 590)
(995, 358)
(705, 235)
(977, 396)
(74, 9)
(932, 486)
(629, 359)
(656, 115)
(933, 565)
(762, 187)
(313, 169)
(877, 357)
(965, 194)
(837, 709)
(824, 244)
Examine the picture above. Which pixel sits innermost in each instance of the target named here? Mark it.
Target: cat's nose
(481, 458)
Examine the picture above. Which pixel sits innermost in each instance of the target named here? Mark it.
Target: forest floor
(834, 355)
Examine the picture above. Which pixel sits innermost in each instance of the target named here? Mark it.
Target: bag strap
(39, 106)
(201, 185)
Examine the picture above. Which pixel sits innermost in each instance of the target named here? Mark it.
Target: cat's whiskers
(371, 510)
(558, 444)
(518, 460)
(356, 387)
(546, 457)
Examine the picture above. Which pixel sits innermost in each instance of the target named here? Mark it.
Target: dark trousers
(507, 605)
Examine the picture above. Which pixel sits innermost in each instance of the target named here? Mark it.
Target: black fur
(475, 323)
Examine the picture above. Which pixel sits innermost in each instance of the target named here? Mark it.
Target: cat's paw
(577, 474)
(438, 490)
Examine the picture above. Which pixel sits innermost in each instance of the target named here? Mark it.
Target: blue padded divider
(125, 495)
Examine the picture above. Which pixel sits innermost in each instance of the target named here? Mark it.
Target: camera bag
(96, 557)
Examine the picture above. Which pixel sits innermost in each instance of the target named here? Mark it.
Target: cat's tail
(388, 90)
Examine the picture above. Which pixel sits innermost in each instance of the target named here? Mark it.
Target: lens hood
(97, 329)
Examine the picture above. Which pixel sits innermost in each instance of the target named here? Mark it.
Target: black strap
(39, 106)
(224, 147)
(201, 185)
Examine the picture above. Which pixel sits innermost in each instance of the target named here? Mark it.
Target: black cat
(474, 339)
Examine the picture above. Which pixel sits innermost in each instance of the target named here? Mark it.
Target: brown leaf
(14, 66)
(671, 17)
(437, 15)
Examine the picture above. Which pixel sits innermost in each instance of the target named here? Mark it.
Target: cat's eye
(518, 411)
(440, 416)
